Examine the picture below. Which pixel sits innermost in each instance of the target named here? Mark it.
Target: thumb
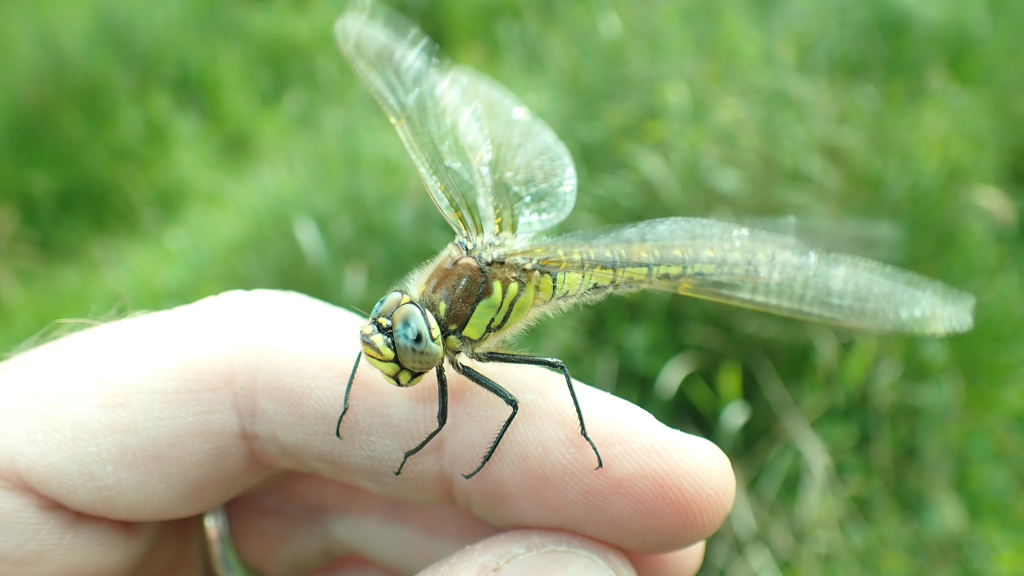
(532, 553)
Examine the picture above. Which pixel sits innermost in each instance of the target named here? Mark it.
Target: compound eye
(387, 305)
(416, 349)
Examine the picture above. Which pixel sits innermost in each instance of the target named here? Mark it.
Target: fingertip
(688, 477)
(717, 480)
(693, 482)
(685, 562)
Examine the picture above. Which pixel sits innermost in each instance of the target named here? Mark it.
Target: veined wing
(491, 166)
(755, 269)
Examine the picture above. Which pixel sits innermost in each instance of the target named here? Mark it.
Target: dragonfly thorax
(402, 339)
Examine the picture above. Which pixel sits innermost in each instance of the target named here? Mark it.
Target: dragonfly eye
(416, 337)
(387, 305)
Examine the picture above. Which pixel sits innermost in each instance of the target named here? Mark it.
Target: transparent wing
(756, 269)
(529, 167)
(491, 166)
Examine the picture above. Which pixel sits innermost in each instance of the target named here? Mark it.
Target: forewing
(529, 167)
(490, 166)
(759, 270)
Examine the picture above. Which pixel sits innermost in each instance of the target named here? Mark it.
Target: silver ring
(223, 556)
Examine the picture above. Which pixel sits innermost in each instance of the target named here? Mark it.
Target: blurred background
(155, 153)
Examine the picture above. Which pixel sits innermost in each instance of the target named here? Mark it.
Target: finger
(289, 533)
(532, 552)
(679, 563)
(38, 537)
(306, 522)
(659, 489)
(664, 489)
(203, 401)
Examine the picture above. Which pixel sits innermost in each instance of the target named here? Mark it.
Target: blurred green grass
(153, 154)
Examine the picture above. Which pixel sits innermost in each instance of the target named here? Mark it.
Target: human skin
(113, 440)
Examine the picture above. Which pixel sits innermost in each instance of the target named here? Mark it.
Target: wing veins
(758, 270)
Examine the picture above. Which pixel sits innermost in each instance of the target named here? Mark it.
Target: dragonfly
(500, 175)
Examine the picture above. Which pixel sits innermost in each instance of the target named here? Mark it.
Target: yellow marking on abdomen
(602, 277)
(571, 284)
(545, 288)
(667, 272)
(635, 274)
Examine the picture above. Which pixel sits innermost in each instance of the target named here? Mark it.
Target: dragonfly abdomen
(618, 270)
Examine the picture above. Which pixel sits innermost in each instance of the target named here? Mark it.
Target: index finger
(206, 400)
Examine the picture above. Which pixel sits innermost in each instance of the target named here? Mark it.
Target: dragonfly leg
(496, 389)
(442, 415)
(554, 364)
(348, 390)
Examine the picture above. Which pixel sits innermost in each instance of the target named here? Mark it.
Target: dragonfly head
(402, 339)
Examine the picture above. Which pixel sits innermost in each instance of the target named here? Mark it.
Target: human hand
(114, 439)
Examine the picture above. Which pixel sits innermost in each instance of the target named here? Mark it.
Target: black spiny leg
(442, 415)
(348, 389)
(554, 364)
(494, 388)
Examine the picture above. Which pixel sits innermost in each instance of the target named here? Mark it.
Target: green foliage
(155, 153)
